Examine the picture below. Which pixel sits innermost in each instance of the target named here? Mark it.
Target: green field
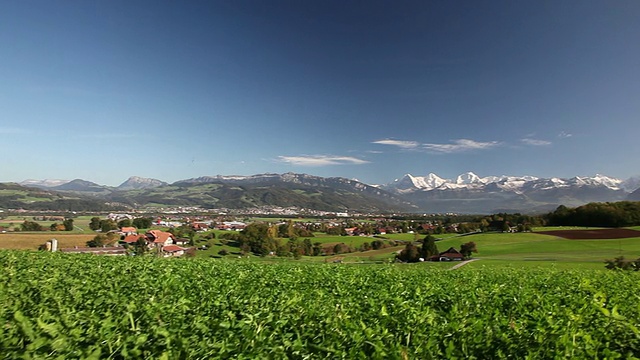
(495, 249)
(80, 223)
(93, 307)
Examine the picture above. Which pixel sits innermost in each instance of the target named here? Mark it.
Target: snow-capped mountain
(46, 183)
(136, 182)
(469, 192)
(631, 184)
(466, 193)
(468, 180)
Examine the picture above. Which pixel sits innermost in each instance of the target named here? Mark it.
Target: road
(462, 264)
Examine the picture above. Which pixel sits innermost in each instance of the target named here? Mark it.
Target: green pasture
(493, 264)
(531, 249)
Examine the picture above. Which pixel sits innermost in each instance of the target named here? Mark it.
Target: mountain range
(470, 193)
(467, 193)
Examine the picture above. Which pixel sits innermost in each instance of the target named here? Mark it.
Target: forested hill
(334, 195)
(14, 196)
(286, 190)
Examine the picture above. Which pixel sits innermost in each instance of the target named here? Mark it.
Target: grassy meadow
(494, 249)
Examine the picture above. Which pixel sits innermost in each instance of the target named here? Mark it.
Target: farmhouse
(158, 238)
(130, 239)
(173, 250)
(128, 230)
(450, 254)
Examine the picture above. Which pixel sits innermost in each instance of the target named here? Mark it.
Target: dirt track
(593, 234)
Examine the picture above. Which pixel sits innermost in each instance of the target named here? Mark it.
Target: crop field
(32, 240)
(79, 306)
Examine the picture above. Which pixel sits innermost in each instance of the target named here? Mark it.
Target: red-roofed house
(173, 250)
(130, 239)
(159, 238)
(450, 254)
(128, 230)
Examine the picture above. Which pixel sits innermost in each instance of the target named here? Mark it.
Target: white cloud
(564, 135)
(461, 145)
(321, 160)
(535, 142)
(399, 143)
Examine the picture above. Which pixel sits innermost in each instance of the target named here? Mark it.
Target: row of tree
(28, 225)
(609, 214)
(106, 225)
(413, 253)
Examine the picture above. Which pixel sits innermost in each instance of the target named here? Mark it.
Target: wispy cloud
(321, 160)
(535, 142)
(460, 145)
(564, 135)
(399, 143)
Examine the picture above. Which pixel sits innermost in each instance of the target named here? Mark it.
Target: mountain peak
(467, 178)
(137, 182)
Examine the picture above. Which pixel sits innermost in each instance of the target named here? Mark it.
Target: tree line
(608, 214)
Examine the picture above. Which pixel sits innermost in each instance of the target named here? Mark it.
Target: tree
(125, 223)
(95, 223)
(108, 225)
(142, 223)
(429, 247)
(68, 224)
(141, 246)
(409, 254)
(467, 248)
(307, 247)
(317, 249)
(31, 226)
(97, 241)
(377, 244)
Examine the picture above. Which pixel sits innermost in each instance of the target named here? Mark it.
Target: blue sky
(102, 90)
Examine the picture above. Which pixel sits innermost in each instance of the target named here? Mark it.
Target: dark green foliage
(377, 244)
(142, 223)
(98, 241)
(617, 214)
(68, 224)
(108, 225)
(183, 231)
(85, 307)
(95, 223)
(429, 247)
(410, 253)
(256, 237)
(125, 223)
(620, 263)
(140, 246)
(31, 226)
(467, 248)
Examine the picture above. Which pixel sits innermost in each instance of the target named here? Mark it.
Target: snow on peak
(470, 180)
(467, 178)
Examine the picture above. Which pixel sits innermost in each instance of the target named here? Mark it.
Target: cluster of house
(164, 242)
